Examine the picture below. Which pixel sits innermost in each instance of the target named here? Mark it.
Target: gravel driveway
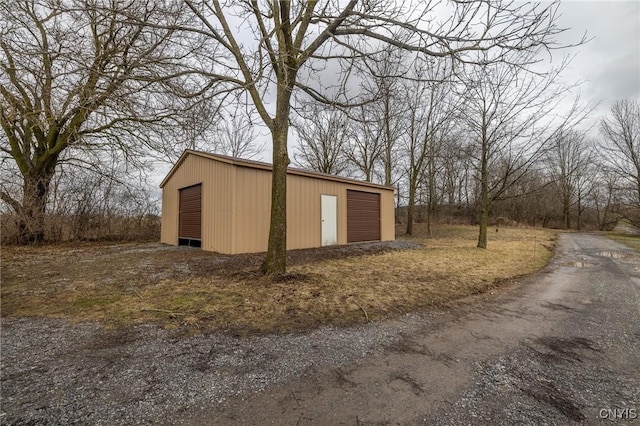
(559, 348)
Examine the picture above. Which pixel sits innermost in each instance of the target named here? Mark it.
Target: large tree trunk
(275, 262)
(37, 174)
(31, 222)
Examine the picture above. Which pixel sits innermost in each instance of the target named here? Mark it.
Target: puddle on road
(579, 264)
(614, 254)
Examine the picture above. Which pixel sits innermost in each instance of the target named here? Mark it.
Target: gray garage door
(363, 216)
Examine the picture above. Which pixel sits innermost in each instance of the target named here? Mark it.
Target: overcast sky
(610, 62)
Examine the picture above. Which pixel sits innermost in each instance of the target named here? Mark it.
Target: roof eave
(241, 162)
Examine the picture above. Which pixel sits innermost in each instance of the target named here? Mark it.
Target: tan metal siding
(252, 210)
(217, 186)
(236, 203)
(217, 210)
(190, 212)
(387, 216)
(303, 210)
(363, 216)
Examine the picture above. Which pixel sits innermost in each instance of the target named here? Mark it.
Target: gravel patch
(579, 373)
(57, 372)
(54, 372)
(557, 350)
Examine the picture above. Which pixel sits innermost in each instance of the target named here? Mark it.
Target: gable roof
(240, 162)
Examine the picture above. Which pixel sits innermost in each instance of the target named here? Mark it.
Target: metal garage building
(223, 204)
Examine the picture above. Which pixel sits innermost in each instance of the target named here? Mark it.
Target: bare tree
(93, 195)
(429, 115)
(569, 158)
(508, 112)
(295, 41)
(364, 147)
(622, 134)
(532, 200)
(323, 136)
(604, 195)
(236, 136)
(457, 172)
(386, 112)
(86, 75)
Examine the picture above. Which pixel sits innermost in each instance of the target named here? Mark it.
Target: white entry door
(329, 217)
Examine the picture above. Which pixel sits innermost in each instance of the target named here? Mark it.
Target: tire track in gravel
(556, 348)
(562, 347)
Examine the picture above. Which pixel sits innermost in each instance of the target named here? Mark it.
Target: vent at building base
(189, 242)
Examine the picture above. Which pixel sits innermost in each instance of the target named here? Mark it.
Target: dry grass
(179, 287)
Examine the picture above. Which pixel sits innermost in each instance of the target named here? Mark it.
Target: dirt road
(562, 347)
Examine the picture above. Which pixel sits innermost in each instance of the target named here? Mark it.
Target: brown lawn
(195, 290)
